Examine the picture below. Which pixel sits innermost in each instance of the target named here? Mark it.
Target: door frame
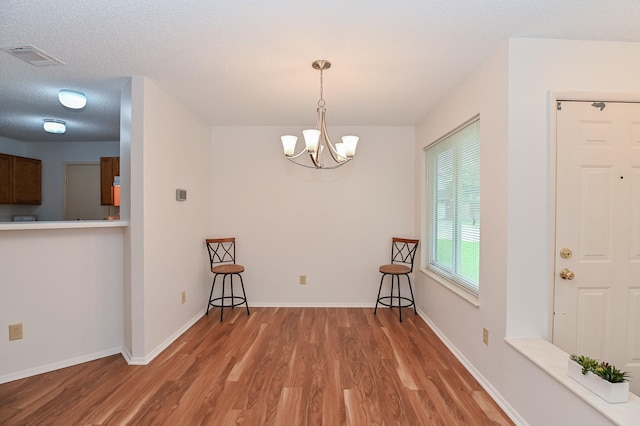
(554, 98)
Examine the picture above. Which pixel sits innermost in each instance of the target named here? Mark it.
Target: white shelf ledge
(553, 361)
(71, 224)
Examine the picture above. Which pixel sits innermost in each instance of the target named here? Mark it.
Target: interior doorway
(82, 192)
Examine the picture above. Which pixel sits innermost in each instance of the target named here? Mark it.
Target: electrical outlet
(303, 279)
(184, 296)
(15, 331)
(485, 335)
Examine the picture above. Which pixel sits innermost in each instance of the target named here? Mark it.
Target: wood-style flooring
(278, 366)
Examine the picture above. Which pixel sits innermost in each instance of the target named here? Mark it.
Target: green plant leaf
(602, 369)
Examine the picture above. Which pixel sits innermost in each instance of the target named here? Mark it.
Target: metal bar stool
(222, 257)
(403, 252)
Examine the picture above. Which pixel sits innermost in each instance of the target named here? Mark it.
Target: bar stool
(403, 252)
(222, 257)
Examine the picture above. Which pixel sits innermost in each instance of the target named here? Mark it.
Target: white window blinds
(453, 200)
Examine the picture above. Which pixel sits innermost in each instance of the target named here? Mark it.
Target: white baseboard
(312, 305)
(128, 357)
(58, 365)
(158, 350)
(486, 385)
(97, 355)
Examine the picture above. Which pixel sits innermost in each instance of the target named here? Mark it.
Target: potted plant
(601, 378)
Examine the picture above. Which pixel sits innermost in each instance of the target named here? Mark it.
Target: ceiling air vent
(32, 56)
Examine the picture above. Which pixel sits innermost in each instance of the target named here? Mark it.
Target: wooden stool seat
(395, 269)
(227, 269)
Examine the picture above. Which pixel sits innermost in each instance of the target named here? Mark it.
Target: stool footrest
(219, 302)
(390, 304)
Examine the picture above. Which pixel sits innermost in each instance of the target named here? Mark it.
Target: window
(453, 206)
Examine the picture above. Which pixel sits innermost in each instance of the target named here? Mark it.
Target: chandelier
(317, 140)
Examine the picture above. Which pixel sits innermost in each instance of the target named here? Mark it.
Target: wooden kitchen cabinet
(109, 168)
(5, 179)
(27, 181)
(20, 180)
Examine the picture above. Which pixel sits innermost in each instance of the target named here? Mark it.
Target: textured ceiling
(248, 62)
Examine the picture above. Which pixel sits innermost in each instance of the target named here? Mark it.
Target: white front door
(597, 250)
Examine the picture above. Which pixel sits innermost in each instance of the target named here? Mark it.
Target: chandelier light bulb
(342, 154)
(350, 144)
(289, 144)
(311, 138)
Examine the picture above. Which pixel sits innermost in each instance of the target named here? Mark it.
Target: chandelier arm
(304, 150)
(323, 132)
(300, 164)
(314, 166)
(335, 166)
(315, 158)
(322, 167)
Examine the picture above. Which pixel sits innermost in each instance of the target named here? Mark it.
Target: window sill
(465, 295)
(553, 361)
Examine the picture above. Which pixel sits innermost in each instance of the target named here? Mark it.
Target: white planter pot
(610, 392)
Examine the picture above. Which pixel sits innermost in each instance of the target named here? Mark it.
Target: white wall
(170, 148)
(12, 147)
(53, 156)
(334, 226)
(511, 93)
(65, 286)
(131, 128)
(484, 93)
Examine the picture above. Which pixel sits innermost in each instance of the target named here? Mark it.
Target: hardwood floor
(279, 366)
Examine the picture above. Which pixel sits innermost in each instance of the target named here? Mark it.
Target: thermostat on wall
(181, 194)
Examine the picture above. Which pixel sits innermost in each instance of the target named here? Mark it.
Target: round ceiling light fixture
(54, 126)
(72, 99)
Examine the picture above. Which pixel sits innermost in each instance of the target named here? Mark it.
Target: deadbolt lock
(566, 274)
(565, 253)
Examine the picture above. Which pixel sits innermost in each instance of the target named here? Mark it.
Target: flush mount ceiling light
(72, 99)
(316, 139)
(54, 126)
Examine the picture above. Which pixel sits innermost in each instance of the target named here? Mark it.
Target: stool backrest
(403, 250)
(221, 250)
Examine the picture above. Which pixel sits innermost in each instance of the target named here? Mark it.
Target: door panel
(595, 213)
(593, 311)
(634, 326)
(597, 305)
(635, 214)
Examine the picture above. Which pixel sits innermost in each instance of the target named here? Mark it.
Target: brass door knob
(565, 253)
(566, 274)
